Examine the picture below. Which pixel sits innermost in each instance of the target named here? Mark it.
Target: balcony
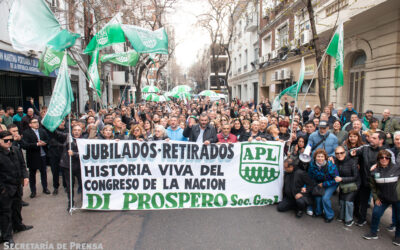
(251, 23)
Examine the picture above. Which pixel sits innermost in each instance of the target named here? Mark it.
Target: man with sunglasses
(12, 174)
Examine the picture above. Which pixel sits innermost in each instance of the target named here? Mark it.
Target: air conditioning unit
(278, 75)
(285, 73)
(304, 37)
(274, 54)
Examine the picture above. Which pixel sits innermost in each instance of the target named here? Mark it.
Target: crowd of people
(354, 154)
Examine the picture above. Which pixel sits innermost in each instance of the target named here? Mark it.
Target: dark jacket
(295, 181)
(12, 170)
(56, 143)
(306, 115)
(64, 162)
(385, 183)
(346, 115)
(30, 140)
(348, 171)
(367, 157)
(210, 134)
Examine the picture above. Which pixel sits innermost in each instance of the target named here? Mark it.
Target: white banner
(130, 175)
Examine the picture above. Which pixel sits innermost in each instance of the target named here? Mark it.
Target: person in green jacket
(367, 118)
(388, 125)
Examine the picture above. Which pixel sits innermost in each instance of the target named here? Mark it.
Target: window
(246, 57)
(283, 36)
(306, 84)
(266, 43)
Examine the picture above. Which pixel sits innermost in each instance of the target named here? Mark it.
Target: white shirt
(200, 137)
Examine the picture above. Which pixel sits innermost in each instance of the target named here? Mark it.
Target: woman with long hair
(237, 127)
(148, 128)
(340, 134)
(353, 141)
(107, 133)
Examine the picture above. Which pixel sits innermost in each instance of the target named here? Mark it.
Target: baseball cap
(323, 124)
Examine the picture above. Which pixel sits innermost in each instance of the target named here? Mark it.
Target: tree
(217, 22)
(199, 71)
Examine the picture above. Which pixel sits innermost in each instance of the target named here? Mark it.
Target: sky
(190, 39)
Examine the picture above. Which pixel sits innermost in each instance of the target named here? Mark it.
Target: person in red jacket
(226, 136)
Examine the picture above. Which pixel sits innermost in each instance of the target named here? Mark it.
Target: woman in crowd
(106, 133)
(296, 151)
(274, 132)
(160, 134)
(348, 183)
(353, 141)
(284, 131)
(148, 128)
(236, 127)
(136, 133)
(384, 182)
(324, 173)
(340, 134)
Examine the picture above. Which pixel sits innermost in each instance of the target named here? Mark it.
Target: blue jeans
(325, 202)
(377, 213)
(346, 210)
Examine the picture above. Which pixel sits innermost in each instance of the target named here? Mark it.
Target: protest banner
(134, 175)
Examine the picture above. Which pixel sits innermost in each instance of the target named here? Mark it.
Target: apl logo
(259, 162)
(102, 37)
(122, 59)
(51, 59)
(58, 104)
(146, 38)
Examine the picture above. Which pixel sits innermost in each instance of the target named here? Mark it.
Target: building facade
(244, 50)
(371, 42)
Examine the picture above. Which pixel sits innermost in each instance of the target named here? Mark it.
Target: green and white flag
(32, 26)
(335, 49)
(61, 99)
(292, 91)
(51, 60)
(129, 58)
(145, 40)
(93, 72)
(107, 36)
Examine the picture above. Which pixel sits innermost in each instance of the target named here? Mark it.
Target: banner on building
(133, 175)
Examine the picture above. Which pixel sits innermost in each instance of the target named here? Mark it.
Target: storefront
(20, 80)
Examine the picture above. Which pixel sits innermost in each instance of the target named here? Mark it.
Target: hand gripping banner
(133, 175)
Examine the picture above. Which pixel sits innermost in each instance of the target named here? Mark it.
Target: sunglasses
(384, 157)
(340, 153)
(8, 140)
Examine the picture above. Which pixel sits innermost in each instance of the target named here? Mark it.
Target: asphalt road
(227, 228)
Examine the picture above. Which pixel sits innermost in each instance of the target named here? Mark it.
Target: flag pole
(319, 65)
(89, 80)
(70, 166)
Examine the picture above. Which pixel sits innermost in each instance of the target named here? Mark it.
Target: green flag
(32, 25)
(93, 72)
(61, 99)
(107, 36)
(335, 49)
(147, 41)
(51, 60)
(292, 91)
(129, 58)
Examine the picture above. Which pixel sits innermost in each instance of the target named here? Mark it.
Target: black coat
(56, 142)
(64, 162)
(12, 170)
(30, 140)
(367, 157)
(210, 134)
(295, 181)
(348, 171)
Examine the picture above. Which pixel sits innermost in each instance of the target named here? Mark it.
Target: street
(227, 228)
